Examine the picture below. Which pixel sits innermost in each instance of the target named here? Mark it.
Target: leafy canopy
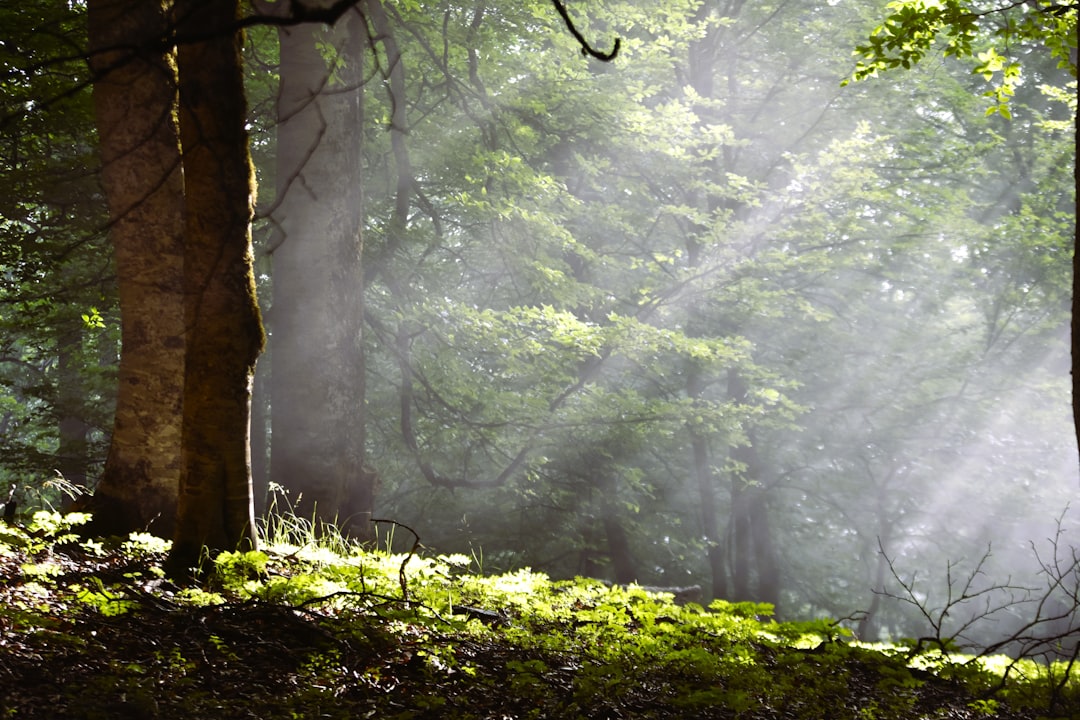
(972, 29)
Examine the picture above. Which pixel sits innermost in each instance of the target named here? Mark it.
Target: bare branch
(586, 48)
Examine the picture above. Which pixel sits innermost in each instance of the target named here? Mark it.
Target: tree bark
(72, 458)
(765, 560)
(260, 433)
(134, 99)
(756, 573)
(740, 540)
(221, 314)
(1076, 309)
(316, 341)
(704, 479)
(618, 543)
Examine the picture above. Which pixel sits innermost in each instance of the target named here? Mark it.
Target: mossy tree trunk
(134, 101)
(224, 331)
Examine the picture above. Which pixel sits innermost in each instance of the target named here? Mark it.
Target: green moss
(350, 632)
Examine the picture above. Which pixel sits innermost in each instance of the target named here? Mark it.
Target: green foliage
(93, 319)
(910, 30)
(102, 599)
(59, 329)
(45, 528)
(562, 649)
(595, 259)
(141, 545)
(913, 27)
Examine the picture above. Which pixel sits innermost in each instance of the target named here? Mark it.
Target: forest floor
(89, 631)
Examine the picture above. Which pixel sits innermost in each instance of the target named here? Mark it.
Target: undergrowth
(312, 626)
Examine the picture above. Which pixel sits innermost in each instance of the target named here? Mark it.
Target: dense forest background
(699, 315)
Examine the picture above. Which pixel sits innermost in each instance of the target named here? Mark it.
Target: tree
(317, 403)
(180, 196)
(134, 101)
(224, 334)
(909, 32)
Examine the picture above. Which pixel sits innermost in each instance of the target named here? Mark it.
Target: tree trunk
(221, 314)
(618, 544)
(701, 62)
(260, 434)
(765, 561)
(72, 457)
(134, 97)
(706, 492)
(318, 376)
(867, 629)
(756, 568)
(1076, 310)
(740, 540)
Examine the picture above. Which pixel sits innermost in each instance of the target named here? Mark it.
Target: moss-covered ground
(92, 630)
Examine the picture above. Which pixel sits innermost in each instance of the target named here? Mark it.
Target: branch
(1049, 627)
(586, 48)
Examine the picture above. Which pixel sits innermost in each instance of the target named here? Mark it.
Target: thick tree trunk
(318, 375)
(134, 99)
(224, 331)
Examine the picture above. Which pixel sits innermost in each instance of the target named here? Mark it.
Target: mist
(705, 315)
(702, 316)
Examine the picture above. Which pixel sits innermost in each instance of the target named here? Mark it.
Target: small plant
(102, 599)
(988, 707)
(50, 527)
(355, 628)
(141, 546)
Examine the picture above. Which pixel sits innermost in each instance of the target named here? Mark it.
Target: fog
(707, 313)
(703, 316)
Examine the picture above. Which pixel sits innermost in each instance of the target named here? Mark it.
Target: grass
(312, 626)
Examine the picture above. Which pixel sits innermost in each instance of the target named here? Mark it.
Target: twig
(586, 48)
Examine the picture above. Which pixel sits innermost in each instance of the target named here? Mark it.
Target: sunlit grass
(732, 655)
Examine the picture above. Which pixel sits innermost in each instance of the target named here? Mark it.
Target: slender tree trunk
(260, 437)
(592, 541)
(134, 100)
(740, 541)
(318, 377)
(72, 450)
(618, 544)
(221, 314)
(765, 559)
(867, 629)
(756, 568)
(705, 479)
(702, 55)
(1076, 307)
